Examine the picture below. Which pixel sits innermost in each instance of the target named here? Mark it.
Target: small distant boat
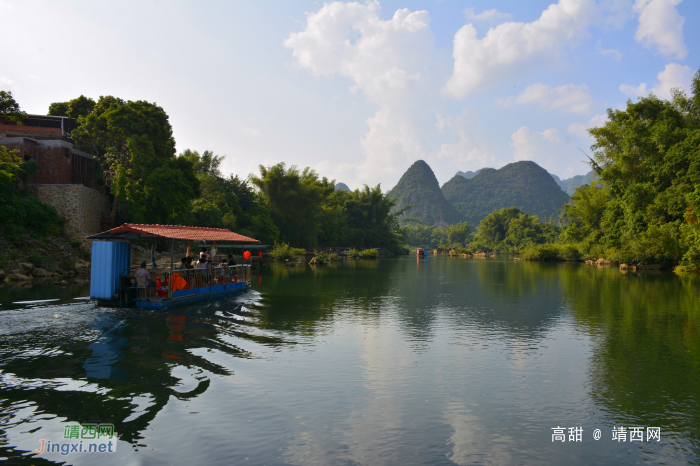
(112, 280)
(420, 252)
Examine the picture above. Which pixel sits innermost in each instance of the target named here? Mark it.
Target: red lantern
(246, 255)
(260, 253)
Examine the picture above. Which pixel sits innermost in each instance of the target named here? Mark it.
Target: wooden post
(172, 253)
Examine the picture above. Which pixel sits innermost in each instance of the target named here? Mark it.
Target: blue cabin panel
(110, 259)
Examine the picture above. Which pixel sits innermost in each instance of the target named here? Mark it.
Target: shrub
(333, 257)
(281, 251)
(353, 253)
(36, 259)
(540, 252)
(297, 251)
(569, 252)
(369, 254)
(321, 257)
(462, 251)
(75, 244)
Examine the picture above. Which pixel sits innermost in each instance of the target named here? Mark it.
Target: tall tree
(79, 107)
(227, 202)
(134, 144)
(9, 108)
(295, 201)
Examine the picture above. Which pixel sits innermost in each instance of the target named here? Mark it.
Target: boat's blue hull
(194, 295)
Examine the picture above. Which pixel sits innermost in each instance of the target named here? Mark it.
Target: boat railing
(181, 280)
(169, 281)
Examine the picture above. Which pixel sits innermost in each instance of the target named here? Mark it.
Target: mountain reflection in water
(396, 361)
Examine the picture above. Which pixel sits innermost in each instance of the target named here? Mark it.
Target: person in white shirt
(203, 265)
(143, 273)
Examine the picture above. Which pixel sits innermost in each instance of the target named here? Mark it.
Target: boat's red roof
(175, 232)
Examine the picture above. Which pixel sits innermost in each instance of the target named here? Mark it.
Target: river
(373, 362)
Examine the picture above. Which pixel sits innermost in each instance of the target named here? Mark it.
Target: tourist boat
(420, 252)
(112, 280)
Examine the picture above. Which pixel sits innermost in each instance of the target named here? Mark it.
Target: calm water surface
(390, 362)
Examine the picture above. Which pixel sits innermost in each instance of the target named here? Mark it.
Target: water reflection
(398, 361)
(119, 366)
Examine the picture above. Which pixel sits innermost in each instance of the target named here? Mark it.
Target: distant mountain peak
(419, 187)
(569, 185)
(469, 174)
(342, 186)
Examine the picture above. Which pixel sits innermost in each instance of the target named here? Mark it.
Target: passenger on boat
(203, 265)
(230, 260)
(183, 265)
(143, 274)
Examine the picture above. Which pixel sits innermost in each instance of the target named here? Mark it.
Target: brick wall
(54, 165)
(82, 207)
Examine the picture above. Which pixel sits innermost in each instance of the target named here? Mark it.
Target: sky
(359, 91)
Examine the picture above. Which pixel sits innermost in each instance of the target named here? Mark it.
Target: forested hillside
(569, 185)
(419, 187)
(524, 185)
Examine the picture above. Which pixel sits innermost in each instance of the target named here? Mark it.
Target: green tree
(295, 199)
(361, 218)
(227, 202)
(9, 165)
(648, 157)
(9, 108)
(134, 144)
(79, 107)
(459, 233)
(510, 230)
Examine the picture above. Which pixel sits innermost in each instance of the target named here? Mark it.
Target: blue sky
(359, 91)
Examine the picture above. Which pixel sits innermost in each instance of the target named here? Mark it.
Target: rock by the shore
(604, 263)
(61, 282)
(26, 267)
(16, 277)
(42, 273)
(82, 267)
(627, 268)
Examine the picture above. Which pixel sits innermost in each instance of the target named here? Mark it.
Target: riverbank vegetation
(644, 209)
(149, 182)
(429, 237)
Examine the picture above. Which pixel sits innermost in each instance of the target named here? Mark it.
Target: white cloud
(581, 129)
(253, 132)
(634, 91)
(614, 53)
(672, 76)
(350, 39)
(488, 15)
(34, 77)
(386, 60)
(568, 98)
(471, 150)
(6, 82)
(544, 148)
(661, 27)
(512, 48)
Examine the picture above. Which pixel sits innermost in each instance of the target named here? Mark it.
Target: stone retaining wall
(81, 207)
